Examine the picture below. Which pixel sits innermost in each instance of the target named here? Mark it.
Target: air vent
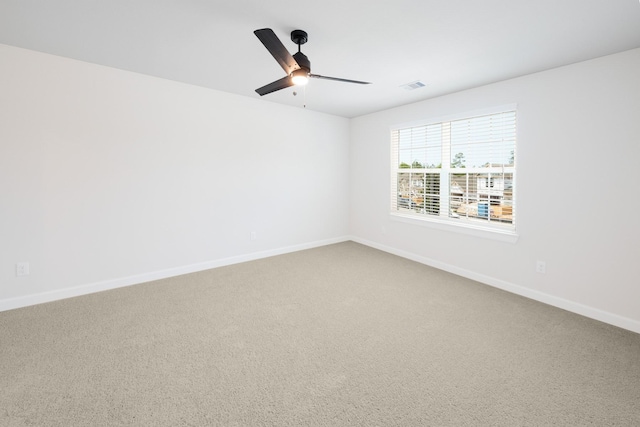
(413, 85)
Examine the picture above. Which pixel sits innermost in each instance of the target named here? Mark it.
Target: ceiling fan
(297, 67)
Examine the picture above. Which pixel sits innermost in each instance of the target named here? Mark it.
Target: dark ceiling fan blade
(284, 82)
(277, 49)
(318, 76)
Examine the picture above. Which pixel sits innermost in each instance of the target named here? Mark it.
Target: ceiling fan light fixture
(299, 77)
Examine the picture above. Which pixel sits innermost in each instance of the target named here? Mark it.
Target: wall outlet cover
(22, 269)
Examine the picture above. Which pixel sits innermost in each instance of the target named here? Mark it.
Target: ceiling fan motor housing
(303, 61)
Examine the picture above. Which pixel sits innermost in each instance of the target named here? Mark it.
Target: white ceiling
(450, 45)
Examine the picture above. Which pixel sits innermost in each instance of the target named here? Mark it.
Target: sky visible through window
(475, 142)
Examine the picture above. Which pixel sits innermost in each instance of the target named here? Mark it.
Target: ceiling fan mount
(297, 66)
(299, 37)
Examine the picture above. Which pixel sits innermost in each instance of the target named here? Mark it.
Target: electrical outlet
(541, 267)
(253, 235)
(22, 269)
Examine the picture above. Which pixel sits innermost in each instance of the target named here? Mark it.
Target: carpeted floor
(342, 335)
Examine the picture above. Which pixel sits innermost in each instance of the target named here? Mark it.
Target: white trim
(461, 227)
(456, 116)
(43, 297)
(574, 307)
(590, 312)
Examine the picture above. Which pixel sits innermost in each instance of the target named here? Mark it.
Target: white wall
(578, 206)
(109, 178)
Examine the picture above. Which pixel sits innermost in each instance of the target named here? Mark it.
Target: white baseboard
(33, 299)
(574, 307)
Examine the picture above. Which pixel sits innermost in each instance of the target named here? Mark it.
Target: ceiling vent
(413, 85)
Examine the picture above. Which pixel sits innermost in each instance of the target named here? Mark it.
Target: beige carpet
(342, 335)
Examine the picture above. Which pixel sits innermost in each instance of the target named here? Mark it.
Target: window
(459, 171)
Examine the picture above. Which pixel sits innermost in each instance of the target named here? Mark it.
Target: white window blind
(460, 171)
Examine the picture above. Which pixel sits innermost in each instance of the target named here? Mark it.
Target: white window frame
(495, 230)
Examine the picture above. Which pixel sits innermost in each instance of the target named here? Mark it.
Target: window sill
(444, 224)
